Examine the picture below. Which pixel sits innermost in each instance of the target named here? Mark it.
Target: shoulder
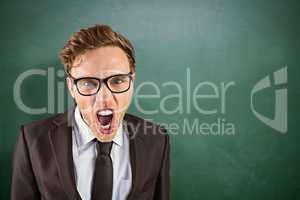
(37, 130)
(151, 140)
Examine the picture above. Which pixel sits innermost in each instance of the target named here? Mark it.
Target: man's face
(101, 63)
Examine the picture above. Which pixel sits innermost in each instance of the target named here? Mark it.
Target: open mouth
(105, 118)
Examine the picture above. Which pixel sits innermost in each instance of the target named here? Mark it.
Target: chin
(105, 138)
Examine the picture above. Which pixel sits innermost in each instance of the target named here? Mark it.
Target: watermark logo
(279, 122)
(56, 101)
(205, 100)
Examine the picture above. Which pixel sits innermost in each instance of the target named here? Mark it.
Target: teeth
(106, 126)
(105, 112)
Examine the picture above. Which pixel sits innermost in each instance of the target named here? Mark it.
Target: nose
(104, 94)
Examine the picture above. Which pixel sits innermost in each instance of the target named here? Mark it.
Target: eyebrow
(88, 76)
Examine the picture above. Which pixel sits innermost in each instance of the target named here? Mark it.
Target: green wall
(231, 42)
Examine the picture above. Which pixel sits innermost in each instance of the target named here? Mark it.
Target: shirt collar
(85, 135)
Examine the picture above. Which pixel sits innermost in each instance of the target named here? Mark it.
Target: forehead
(101, 62)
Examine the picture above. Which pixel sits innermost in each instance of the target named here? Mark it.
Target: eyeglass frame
(100, 80)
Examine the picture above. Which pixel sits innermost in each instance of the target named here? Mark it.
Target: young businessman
(95, 151)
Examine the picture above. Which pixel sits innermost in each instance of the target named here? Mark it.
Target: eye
(118, 80)
(88, 83)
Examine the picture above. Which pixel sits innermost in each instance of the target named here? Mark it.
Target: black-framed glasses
(88, 86)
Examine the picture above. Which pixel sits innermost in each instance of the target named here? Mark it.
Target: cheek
(85, 104)
(124, 100)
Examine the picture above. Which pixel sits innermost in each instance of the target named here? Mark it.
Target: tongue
(104, 120)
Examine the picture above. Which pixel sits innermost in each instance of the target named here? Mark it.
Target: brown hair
(91, 38)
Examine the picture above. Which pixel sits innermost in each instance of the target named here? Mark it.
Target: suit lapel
(61, 141)
(133, 129)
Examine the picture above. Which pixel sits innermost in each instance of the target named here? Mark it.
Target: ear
(70, 86)
(133, 80)
(133, 76)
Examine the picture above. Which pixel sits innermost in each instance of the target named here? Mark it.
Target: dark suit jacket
(43, 164)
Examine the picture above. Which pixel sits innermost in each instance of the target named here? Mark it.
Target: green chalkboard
(221, 75)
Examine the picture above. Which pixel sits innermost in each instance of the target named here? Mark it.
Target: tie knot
(103, 148)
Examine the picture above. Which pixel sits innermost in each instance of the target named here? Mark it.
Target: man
(96, 150)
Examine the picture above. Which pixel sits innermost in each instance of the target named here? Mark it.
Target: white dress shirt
(84, 155)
